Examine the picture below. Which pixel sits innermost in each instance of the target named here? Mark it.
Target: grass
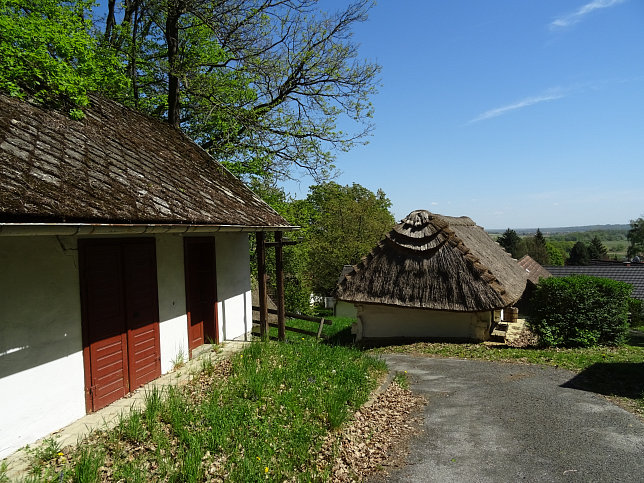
(338, 333)
(262, 418)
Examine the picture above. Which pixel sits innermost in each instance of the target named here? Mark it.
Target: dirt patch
(378, 438)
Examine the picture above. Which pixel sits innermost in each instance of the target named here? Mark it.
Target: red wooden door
(141, 313)
(201, 291)
(120, 317)
(104, 324)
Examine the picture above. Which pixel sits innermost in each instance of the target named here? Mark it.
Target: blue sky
(514, 113)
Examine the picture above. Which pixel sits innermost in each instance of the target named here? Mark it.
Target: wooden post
(262, 278)
(279, 266)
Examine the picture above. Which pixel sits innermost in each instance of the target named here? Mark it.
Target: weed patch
(264, 414)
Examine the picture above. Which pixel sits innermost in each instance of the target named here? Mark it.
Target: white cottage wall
(41, 360)
(379, 321)
(173, 321)
(233, 286)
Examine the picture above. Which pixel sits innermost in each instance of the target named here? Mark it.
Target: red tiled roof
(534, 270)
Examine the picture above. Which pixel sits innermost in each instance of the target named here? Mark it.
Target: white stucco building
(123, 245)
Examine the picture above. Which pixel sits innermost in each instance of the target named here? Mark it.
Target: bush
(636, 310)
(580, 311)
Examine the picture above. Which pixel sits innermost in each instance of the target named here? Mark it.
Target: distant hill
(562, 229)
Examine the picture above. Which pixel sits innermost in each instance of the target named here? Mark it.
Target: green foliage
(260, 85)
(47, 53)
(339, 225)
(636, 238)
(510, 241)
(297, 283)
(555, 255)
(636, 311)
(580, 311)
(535, 246)
(346, 223)
(578, 254)
(596, 249)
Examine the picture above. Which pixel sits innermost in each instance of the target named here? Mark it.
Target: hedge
(580, 311)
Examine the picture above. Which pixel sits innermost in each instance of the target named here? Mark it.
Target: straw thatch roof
(436, 262)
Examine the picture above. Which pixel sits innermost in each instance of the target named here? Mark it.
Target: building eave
(84, 229)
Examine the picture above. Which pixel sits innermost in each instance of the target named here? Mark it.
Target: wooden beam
(279, 268)
(262, 279)
(283, 242)
(293, 315)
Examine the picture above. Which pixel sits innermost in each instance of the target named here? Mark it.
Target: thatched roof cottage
(432, 276)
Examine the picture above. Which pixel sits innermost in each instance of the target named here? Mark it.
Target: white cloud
(434, 203)
(575, 17)
(549, 95)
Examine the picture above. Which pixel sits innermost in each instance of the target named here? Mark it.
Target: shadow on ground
(625, 379)
(636, 338)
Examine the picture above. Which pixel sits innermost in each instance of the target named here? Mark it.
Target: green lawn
(261, 416)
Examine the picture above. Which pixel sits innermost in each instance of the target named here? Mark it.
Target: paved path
(496, 422)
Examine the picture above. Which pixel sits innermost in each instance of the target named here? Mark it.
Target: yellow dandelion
(266, 470)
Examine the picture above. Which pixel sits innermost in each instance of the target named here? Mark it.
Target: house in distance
(432, 276)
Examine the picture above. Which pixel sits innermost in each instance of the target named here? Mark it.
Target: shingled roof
(534, 269)
(633, 274)
(436, 262)
(115, 166)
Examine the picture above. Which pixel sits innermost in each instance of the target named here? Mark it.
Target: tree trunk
(110, 21)
(172, 38)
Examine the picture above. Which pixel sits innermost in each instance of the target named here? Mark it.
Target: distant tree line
(548, 253)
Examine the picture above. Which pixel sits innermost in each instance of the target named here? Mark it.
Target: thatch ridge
(436, 262)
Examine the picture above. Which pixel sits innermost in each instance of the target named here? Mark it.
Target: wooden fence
(320, 320)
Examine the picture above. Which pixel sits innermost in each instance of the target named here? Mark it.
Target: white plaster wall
(345, 309)
(173, 321)
(233, 285)
(41, 362)
(384, 321)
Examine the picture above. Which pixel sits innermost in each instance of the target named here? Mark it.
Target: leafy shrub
(580, 311)
(636, 309)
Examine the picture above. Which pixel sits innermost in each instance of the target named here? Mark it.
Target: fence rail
(320, 320)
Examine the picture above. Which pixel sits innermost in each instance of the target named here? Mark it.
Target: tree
(578, 254)
(510, 241)
(47, 53)
(260, 84)
(537, 248)
(346, 223)
(297, 286)
(636, 237)
(555, 256)
(596, 249)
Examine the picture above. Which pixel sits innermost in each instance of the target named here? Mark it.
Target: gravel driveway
(496, 422)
